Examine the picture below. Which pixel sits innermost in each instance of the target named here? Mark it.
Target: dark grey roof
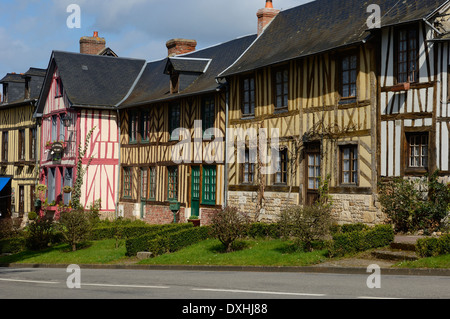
(91, 80)
(324, 25)
(154, 84)
(13, 77)
(16, 86)
(186, 64)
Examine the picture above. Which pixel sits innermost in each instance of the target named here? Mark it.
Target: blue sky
(31, 29)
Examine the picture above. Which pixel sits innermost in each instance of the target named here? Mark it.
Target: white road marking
(259, 292)
(31, 281)
(125, 286)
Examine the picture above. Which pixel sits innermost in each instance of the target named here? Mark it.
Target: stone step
(394, 255)
(403, 246)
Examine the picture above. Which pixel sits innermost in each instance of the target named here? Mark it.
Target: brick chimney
(92, 45)
(266, 15)
(180, 46)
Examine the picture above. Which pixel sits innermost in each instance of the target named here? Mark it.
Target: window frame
(172, 183)
(280, 177)
(174, 120)
(133, 126)
(144, 126)
(408, 29)
(152, 183)
(251, 102)
(342, 57)
(284, 88)
(59, 89)
(208, 115)
(33, 143)
(21, 147)
(247, 169)
(127, 182)
(353, 160)
(421, 167)
(5, 139)
(209, 184)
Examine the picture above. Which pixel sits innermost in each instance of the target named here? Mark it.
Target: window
(208, 115)
(127, 182)
(248, 96)
(145, 126)
(282, 166)
(144, 183)
(54, 128)
(152, 183)
(313, 171)
(209, 185)
(62, 129)
(33, 143)
(21, 145)
(58, 87)
(133, 126)
(281, 80)
(68, 181)
(172, 190)
(247, 169)
(349, 72)
(349, 164)
(417, 150)
(407, 55)
(21, 200)
(174, 121)
(5, 93)
(5, 135)
(51, 185)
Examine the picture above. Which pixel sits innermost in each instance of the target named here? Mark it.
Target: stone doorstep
(394, 255)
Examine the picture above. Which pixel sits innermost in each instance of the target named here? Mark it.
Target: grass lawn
(261, 252)
(97, 252)
(430, 262)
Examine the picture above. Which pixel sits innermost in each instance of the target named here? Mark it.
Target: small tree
(228, 225)
(76, 227)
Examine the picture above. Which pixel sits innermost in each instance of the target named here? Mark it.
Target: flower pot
(196, 222)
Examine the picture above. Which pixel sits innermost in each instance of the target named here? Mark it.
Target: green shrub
(175, 241)
(40, 234)
(431, 247)
(12, 245)
(75, 227)
(263, 230)
(360, 240)
(141, 243)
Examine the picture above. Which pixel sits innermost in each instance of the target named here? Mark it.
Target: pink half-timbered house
(79, 94)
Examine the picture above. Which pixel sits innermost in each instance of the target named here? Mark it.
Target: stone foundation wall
(346, 208)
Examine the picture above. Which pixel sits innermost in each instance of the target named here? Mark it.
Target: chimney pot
(92, 45)
(180, 46)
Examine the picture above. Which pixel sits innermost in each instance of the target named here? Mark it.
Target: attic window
(5, 93)
(58, 87)
(174, 83)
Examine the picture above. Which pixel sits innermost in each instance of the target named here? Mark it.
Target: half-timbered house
(79, 96)
(172, 134)
(19, 136)
(326, 79)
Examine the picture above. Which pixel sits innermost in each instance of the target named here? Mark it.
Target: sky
(31, 29)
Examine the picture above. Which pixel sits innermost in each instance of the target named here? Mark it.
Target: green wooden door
(195, 191)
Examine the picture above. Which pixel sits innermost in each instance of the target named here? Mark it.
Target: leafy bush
(40, 234)
(306, 224)
(415, 204)
(429, 247)
(262, 230)
(12, 245)
(75, 227)
(228, 225)
(360, 240)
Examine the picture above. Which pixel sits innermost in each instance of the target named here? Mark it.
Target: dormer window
(5, 93)
(174, 83)
(58, 87)
(27, 88)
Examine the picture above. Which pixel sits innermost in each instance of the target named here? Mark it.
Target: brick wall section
(92, 45)
(180, 46)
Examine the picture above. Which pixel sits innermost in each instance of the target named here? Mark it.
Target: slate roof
(16, 86)
(323, 25)
(154, 84)
(91, 80)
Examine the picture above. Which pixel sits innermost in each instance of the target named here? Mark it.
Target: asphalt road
(42, 283)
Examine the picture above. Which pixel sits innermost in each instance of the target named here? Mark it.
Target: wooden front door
(312, 177)
(195, 190)
(21, 200)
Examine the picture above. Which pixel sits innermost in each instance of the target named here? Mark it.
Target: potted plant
(67, 189)
(194, 220)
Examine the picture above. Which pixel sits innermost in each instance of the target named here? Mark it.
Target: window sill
(279, 110)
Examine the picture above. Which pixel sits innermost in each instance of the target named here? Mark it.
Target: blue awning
(3, 182)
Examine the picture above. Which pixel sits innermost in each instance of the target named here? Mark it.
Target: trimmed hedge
(140, 243)
(431, 247)
(360, 240)
(178, 240)
(128, 230)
